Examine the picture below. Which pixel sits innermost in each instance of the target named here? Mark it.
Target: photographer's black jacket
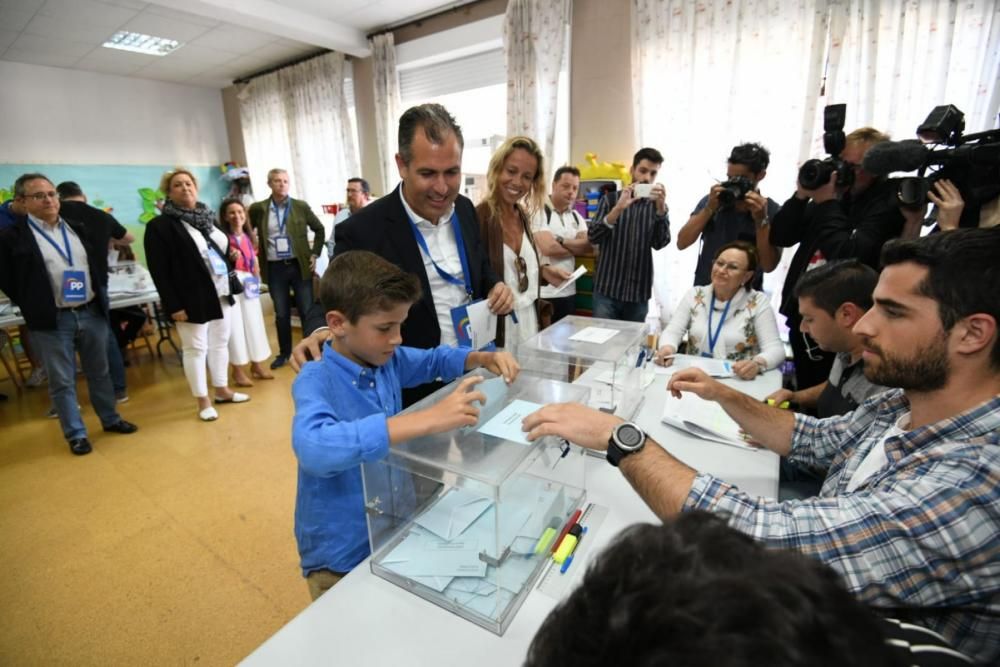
(840, 229)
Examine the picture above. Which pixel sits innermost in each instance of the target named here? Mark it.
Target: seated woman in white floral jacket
(727, 319)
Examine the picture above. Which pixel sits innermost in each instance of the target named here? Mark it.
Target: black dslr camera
(814, 173)
(733, 190)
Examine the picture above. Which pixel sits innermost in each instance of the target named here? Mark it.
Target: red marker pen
(569, 524)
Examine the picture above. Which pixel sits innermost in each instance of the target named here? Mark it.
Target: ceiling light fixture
(139, 43)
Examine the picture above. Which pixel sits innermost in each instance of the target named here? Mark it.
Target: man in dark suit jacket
(49, 267)
(426, 206)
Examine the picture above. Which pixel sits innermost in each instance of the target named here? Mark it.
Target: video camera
(815, 173)
(972, 164)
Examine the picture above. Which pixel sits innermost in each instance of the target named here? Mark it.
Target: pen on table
(574, 538)
(569, 524)
(568, 544)
(546, 539)
(642, 356)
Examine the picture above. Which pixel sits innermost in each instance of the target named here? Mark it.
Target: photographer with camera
(838, 211)
(734, 211)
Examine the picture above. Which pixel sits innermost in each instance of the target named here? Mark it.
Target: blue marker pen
(513, 316)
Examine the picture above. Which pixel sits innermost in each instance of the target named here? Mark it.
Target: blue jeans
(283, 278)
(84, 331)
(614, 309)
(116, 365)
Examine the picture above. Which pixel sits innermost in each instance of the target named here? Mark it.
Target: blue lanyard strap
(282, 220)
(247, 261)
(447, 277)
(713, 339)
(67, 255)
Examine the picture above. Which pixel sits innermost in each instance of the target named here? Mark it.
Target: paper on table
(718, 368)
(598, 335)
(422, 555)
(482, 324)
(576, 275)
(453, 513)
(704, 419)
(506, 424)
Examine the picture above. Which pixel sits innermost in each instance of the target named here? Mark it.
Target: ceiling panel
(15, 18)
(160, 26)
(223, 40)
(59, 28)
(87, 12)
(233, 39)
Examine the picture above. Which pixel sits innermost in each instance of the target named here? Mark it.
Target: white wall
(50, 115)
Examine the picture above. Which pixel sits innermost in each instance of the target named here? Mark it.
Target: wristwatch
(560, 240)
(626, 438)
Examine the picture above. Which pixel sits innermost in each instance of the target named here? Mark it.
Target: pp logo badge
(74, 287)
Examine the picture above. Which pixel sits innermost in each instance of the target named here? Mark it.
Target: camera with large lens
(734, 190)
(814, 174)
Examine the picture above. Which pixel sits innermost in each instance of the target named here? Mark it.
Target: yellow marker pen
(568, 544)
(545, 540)
(784, 404)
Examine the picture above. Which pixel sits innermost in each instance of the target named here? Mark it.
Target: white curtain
(709, 75)
(535, 40)
(297, 119)
(388, 108)
(892, 61)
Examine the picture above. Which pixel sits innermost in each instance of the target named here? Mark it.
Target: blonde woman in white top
(727, 319)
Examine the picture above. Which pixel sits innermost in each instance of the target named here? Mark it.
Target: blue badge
(251, 287)
(219, 267)
(74, 286)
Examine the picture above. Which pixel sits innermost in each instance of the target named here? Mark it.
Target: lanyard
(247, 261)
(282, 220)
(447, 277)
(713, 339)
(67, 255)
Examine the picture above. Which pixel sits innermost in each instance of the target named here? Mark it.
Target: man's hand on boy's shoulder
(498, 363)
(310, 348)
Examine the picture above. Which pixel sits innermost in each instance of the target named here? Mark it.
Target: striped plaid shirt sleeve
(921, 532)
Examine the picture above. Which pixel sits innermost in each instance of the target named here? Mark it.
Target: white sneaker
(37, 377)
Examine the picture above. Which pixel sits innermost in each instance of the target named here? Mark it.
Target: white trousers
(248, 340)
(206, 342)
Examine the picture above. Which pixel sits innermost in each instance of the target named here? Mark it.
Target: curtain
(388, 108)
(710, 75)
(892, 61)
(535, 39)
(298, 119)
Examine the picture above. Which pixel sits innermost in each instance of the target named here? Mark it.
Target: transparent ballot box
(463, 518)
(608, 356)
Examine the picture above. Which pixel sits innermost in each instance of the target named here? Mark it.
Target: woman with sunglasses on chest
(515, 192)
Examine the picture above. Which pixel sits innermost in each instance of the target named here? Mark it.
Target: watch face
(629, 437)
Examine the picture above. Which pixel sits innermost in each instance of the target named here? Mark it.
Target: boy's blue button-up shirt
(341, 410)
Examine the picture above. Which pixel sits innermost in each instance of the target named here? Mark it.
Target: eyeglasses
(722, 264)
(522, 274)
(42, 196)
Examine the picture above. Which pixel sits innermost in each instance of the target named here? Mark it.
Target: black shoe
(80, 446)
(121, 426)
(279, 361)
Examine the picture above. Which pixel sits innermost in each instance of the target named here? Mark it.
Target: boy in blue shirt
(346, 406)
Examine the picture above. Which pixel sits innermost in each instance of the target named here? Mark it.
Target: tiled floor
(170, 546)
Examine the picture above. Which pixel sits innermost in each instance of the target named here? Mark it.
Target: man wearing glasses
(830, 223)
(50, 268)
(734, 211)
(358, 196)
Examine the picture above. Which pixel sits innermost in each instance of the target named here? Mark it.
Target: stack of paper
(704, 419)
